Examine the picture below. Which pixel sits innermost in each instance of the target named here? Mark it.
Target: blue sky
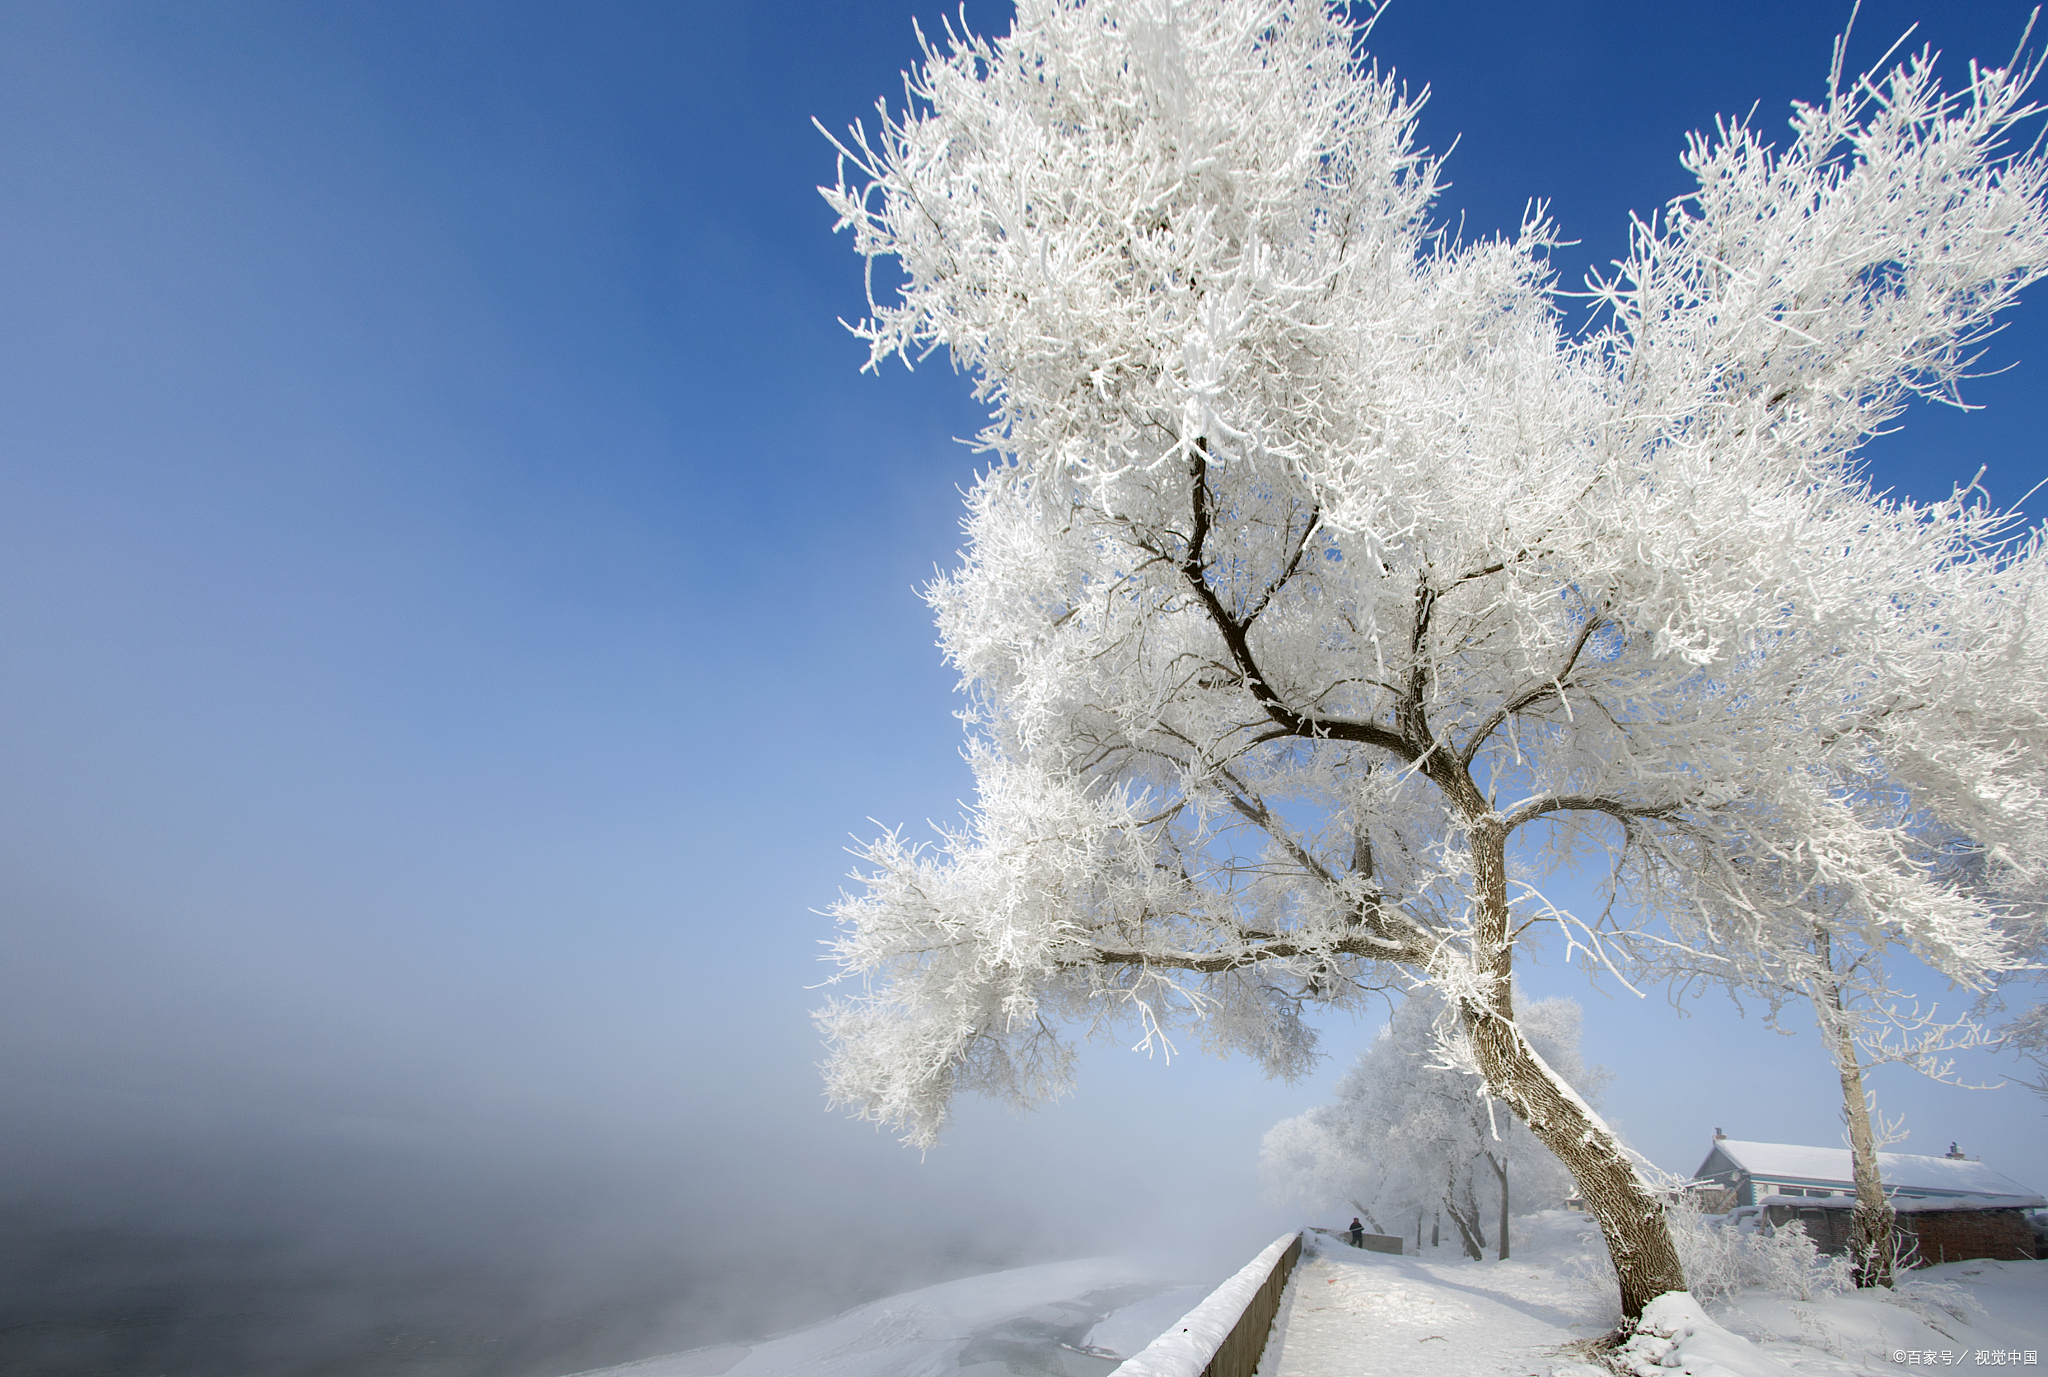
(458, 599)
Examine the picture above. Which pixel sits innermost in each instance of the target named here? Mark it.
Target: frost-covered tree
(1412, 1129)
(2028, 1035)
(1317, 561)
(1837, 965)
(1810, 932)
(2021, 1010)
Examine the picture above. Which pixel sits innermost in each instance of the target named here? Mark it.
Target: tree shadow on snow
(1413, 1269)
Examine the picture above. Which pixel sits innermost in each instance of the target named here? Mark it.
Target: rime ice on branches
(1316, 560)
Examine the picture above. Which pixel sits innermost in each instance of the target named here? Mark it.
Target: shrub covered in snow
(1721, 1258)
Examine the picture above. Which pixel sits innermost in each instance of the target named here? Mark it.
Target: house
(1743, 1173)
(1949, 1207)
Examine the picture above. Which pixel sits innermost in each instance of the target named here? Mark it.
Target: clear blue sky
(457, 598)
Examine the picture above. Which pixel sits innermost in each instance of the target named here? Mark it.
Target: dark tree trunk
(1500, 1170)
(1631, 1218)
(1466, 1217)
(1472, 1208)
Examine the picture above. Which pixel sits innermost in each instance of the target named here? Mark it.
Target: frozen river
(1062, 1319)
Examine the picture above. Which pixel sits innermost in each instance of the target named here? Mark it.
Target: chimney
(1954, 1155)
(1719, 1135)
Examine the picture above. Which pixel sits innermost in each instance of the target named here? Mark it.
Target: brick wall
(1952, 1235)
(1938, 1235)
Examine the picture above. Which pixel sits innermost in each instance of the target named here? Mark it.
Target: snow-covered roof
(1902, 1171)
(1903, 1205)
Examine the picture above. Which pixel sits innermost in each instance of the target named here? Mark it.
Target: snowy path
(1349, 1313)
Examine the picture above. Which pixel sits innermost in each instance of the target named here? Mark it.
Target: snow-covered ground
(1359, 1314)
(1348, 1313)
(1962, 1314)
(1061, 1319)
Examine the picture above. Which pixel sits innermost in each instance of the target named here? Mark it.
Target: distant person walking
(1357, 1233)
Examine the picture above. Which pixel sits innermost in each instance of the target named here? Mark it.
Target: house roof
(1901, 1171)
(1912, 1205)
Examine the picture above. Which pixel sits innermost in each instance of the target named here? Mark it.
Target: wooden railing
(1224, 1335)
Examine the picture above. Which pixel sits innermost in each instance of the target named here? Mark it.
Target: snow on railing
(1226, 1333)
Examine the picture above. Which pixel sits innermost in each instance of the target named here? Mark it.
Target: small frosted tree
(2022, 1013)
(1317, 562)
(1413, 1130)
(1806, 949)
(1959, 891)
(2028, 1035)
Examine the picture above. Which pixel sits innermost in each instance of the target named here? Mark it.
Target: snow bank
(1676, 1339)
(1977, 1313)
(1186, 1348)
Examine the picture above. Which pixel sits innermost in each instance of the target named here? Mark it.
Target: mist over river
(161, 1300)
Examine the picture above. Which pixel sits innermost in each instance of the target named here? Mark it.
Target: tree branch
(1370, 912)
(1315, 516)
(1194, 569)
(1373, 948)
(1535, 693)
(1584, 803)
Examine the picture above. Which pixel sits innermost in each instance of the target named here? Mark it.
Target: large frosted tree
(1320, 574)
